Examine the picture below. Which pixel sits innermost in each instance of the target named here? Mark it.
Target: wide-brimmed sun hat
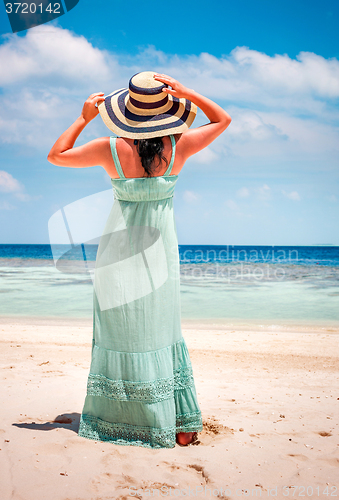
(144, 111)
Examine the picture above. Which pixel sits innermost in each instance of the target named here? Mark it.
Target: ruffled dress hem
(129, 435)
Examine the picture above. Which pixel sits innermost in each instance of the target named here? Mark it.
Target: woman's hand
(194, 140)
(63, 154)
(178, 90)
(89, 110)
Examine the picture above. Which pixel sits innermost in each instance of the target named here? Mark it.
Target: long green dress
(140, 387)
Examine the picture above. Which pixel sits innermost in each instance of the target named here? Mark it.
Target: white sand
(269, 398)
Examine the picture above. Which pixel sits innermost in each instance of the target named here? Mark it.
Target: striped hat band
(144, 110)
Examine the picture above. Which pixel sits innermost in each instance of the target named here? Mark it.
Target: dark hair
(148, 149)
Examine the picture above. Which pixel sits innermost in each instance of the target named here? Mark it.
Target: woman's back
(142, 189)
(131, 163)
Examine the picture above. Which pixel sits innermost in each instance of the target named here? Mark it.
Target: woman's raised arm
(194, 140)
(91, 154)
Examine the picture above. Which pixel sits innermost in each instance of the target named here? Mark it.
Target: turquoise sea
(237, 284)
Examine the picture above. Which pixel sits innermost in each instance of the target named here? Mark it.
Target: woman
(140, 388)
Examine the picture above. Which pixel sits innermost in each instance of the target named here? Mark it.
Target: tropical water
(276, 285)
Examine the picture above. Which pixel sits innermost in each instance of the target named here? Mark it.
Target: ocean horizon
(231, 283)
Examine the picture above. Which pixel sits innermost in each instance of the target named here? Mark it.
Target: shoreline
(190, 323)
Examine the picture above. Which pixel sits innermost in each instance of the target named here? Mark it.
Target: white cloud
(243, 192)
(279, 134)
(4, 205)
(264, 192)
(206, 155)
(249, 125)
(26, 197)
(305, 135)
(59, 57)
(280, 106)
(8, 184)
(232, 205)
(293, 195)
(252, 77)
(46, 76)
(49, 54)
(190, 196)
(308, 72)
(36, 118)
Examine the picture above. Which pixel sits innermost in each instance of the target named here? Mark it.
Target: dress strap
(168, 171)
(113, 143)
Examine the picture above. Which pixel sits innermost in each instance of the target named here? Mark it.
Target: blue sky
(272, 178)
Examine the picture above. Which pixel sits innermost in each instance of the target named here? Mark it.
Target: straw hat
(143, 111)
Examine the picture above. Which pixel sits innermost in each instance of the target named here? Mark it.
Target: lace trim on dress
(145, 392)
(125, 434)
(149, 437)
(189, 422)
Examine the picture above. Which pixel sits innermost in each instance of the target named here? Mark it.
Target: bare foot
(185, 438)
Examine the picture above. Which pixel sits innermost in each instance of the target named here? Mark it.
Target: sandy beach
(269, 397)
